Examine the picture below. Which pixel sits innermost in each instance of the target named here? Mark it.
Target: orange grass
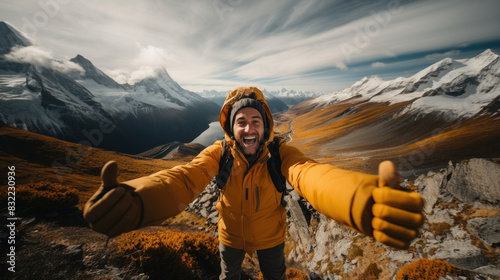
(172, 255)
(427, 269)
(358, 136)
(39, 197)
(41, 158)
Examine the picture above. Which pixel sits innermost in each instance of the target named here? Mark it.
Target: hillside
(38, 157)
(447, 111)
(358, 135)
(75, 101)
(403, 120)
(51, 235)
(47, 235)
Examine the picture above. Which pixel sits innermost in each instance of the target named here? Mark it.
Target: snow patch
(457, 88)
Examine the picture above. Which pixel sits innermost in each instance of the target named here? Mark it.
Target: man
(251, 214)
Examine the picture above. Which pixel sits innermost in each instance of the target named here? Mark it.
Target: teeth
(249, 138)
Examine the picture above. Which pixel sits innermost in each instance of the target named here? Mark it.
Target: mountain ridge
(89, 106)
(375, 120)
(95, 73)
(430, 88)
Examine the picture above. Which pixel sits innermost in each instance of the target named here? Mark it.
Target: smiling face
(248, 129)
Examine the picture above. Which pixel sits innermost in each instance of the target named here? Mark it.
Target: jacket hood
(234, 96)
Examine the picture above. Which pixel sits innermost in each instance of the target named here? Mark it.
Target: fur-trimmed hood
(236, 95)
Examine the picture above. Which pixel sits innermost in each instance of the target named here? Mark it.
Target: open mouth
(249, 141)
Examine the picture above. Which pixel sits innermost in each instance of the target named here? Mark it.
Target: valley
(440, 126)
(356, 135)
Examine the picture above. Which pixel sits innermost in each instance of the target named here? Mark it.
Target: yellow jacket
(251, 214)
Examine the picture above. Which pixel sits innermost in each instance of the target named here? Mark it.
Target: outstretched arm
(121, 207)
(362, 202)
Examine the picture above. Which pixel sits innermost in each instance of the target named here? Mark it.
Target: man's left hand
(397, 214)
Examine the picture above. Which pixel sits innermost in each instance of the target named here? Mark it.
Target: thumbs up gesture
(115, 208)
(397, 214)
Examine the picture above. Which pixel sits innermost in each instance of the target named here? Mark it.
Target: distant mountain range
(75, 101)
(448, 111)
(81, 104)
(278, 101)
(457, 88)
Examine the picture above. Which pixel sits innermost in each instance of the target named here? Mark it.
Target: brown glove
(397, 214)
(115, 208)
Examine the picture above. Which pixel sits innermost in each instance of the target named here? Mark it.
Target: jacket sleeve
(342, 195)
(167, 193)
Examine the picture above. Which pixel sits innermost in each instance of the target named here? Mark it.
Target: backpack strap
(225, 166)
(274, 166)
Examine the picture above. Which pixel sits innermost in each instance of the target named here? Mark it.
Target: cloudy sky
(219, 44)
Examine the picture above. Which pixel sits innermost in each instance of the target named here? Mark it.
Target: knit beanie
(243, 103)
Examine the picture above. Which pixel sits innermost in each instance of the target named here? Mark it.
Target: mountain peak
(434, 70)
(483, 59)
(94, 73)
(11, 37)
(80, 57)
(488, 52)
(162, 72)
(85, 63)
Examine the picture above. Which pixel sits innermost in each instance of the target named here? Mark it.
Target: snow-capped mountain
(457, 88)
(11, 37)
(292, 97)
(278, 101)
(162, 88)
(75, 101)
(448, 111)
(275, 104)
(93, 73)
(215, 96)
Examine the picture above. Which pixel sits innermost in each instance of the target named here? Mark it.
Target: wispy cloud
(378, 65)
(145, 64)
(434, 56)
(270, 43)
(37, 56)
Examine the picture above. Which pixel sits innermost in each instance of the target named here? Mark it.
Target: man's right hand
(115, 208)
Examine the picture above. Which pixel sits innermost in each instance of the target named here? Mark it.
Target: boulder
(475, 180)
(487, 229)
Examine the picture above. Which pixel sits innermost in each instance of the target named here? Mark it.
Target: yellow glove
(115, 208)
(397, 214)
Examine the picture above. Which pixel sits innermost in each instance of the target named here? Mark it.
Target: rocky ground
(462, 227)
(60, 245)
(462, 208)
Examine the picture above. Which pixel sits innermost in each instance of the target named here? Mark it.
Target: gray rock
(493, 270)
(429, 188)
(478, 179)
(448, 194)
(74, 253)
(469, 262)
(297, 223)
(206, 198)
(488, 229)
(213, 217)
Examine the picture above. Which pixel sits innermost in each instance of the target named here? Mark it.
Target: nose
(248, 127)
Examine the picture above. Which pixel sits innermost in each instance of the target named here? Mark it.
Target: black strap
(273, 166)
(225, 166)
